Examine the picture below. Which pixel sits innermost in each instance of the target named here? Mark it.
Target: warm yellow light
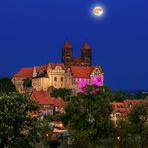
(98, 11)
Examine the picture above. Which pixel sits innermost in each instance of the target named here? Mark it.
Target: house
(122, 109)
(119, 112)
(48, 104)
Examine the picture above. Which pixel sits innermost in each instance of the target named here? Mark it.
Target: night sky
(32, 32)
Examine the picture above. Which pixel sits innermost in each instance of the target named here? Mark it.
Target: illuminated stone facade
(55, 76)
(82, 76)
(72, 73)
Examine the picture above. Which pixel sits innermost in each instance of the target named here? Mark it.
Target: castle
(72, 73)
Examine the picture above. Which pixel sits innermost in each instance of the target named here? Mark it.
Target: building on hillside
(20, 76)
(69, 60)
(72, 73)
(57, 76)
(119, 112)
(84, 75)
(54, 75)
(122, 109)
(48, 104)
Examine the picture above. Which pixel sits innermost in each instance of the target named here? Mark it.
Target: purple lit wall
(82, 82)
(97, 80)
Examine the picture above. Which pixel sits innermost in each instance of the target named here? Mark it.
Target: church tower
(67, 54)
(86, 54)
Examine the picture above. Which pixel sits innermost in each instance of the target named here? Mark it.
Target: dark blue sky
(32, 32)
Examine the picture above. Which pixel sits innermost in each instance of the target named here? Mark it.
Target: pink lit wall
(97, 80)
(81, 82)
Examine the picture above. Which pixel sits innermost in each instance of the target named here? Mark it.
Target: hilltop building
(72, 73)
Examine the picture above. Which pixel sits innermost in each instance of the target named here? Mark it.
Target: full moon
(98, 11)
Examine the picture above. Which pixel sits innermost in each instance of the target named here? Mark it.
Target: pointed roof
(67, 44)
(86, 46)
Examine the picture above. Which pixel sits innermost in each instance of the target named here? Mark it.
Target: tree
(6, 85)
(120, 95)
(46, 130)
(88, 116)
(134, 129)
(27, 83)
(61, 92)
(18, 128)
(138, 119)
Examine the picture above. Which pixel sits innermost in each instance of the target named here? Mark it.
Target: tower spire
(86, 46)
(67, 44)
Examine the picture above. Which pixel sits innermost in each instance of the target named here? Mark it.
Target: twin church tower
(69, 60)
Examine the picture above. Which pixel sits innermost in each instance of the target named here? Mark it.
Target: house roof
(125, 107)
(24, 73)
(129, 104)
(28, 72)
(44, 98)
(119, 107)
(83, 71)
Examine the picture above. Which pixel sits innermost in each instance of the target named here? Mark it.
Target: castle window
(61, 79)
(55, 78)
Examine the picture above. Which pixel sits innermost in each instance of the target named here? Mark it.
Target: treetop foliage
(18, 128)
(6, 85)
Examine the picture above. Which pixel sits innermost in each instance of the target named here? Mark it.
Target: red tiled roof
(83, 71)
(126, 106)
(44, 98)
(67, 45)
(24, 73)
(129, 104)
(58, 102)
(86, 46)
(77, 60)
(119, 106)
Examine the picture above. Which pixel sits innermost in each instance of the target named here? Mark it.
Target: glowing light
(81, 83)
(98, 11)
(97, 80)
